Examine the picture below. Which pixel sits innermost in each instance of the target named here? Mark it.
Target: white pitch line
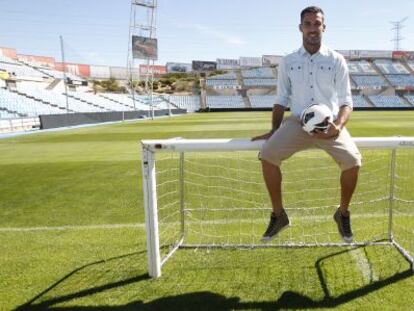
(364, 266)
(191, 222)
(75, 228)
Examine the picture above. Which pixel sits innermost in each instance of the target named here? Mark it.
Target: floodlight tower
(142, 46)
(397, 26)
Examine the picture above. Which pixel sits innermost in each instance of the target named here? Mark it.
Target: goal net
(210, 194)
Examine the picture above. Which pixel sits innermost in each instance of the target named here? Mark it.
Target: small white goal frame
(181, 146)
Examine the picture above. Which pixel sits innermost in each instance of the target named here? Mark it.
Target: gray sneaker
(276, 225)
(344, 225)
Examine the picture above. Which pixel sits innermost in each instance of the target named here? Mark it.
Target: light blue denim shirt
(306, 79)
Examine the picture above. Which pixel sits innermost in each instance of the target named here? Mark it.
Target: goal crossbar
(181, 146)
(231, 144)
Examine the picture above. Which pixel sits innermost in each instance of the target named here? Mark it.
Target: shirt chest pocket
(296, 73)
(325, 73)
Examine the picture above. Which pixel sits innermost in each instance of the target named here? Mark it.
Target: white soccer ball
(316, 117)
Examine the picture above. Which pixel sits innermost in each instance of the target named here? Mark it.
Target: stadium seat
(222, 84)
(387, 66)
(235, 101)
(190, 103)
(259, 82)
(387, 101)
(262, 101)
(369, 81)
(359, 101)
(258, 73)
(401, 81)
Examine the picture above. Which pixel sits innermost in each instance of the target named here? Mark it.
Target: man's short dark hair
(310, 9)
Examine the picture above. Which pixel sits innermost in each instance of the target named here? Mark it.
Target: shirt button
(310, 73)
(311, 86)
(311, 60)
(312, 99)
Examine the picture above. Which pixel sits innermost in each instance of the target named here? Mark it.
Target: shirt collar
(323, 50)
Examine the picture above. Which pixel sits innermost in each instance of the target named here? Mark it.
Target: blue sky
(96, 31)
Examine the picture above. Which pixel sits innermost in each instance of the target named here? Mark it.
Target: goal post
(209, 193)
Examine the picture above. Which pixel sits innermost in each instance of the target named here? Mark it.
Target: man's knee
(352, 162)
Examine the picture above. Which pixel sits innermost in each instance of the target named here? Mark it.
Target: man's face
(312, 27)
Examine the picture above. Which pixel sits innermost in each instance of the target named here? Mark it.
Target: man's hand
(332, 132)
(264, 136)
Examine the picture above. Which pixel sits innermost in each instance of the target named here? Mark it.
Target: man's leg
(349, 180)
(273, 180)
(287, 140)
(344, 151)
(342, 217)
(278, 219)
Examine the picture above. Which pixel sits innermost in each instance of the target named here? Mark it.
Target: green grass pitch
(72, 234)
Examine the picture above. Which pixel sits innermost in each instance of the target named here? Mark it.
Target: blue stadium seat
(258, 73)
(359, 101)
(401, 81)
(260, 82)
(262, 101)
(388, 66)
(235, 101)
(388, 101)
(369, 81)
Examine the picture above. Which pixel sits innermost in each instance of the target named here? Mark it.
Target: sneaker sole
(268, 239)
(347, 240)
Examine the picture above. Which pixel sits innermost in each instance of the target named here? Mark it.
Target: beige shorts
(291, 138)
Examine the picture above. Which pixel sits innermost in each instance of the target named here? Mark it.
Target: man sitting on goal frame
(314, 74)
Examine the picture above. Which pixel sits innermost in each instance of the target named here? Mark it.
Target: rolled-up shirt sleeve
(343, 84)
(283, 85)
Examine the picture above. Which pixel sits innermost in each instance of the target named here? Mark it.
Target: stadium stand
(7, 60)
(222, 84)
(364, 75)
(410, 64)
(99, 101)
(262, 101)
(260, 82)
(235, 101)
(359, 101)
(388, 66)
(59, 75)
(125, 100)
(190, 103)
(226, 76)
(401, 81)
(369, 81)
(361, 67)
(57, 99)
(390, 101)
(410, 99)
(24, 106)
(264, 73)
(12, 124)
(5, 114)
(19, 70)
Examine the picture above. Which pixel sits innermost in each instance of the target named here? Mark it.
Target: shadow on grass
(205, 300)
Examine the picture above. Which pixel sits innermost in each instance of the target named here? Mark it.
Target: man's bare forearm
(277, 116)
(343, 116)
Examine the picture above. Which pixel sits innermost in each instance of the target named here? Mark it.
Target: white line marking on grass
(193, 220)
(75, 228)
(363, 264)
